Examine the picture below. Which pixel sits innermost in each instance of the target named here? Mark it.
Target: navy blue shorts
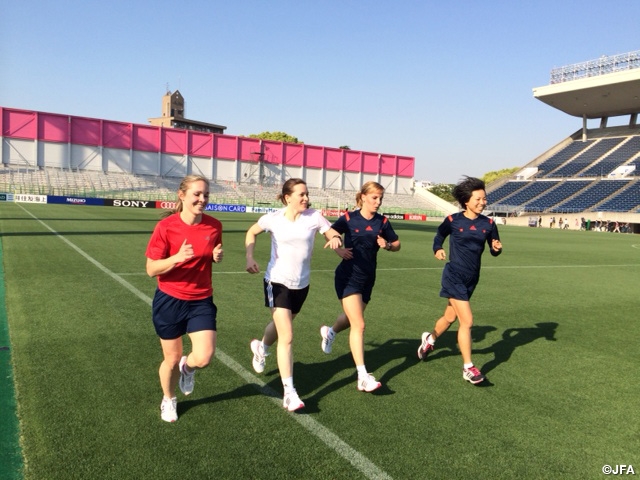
(346, 286)
(277, 295)
(458, 284)
(173, 317)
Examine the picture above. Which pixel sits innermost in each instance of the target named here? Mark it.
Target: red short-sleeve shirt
(190, 280)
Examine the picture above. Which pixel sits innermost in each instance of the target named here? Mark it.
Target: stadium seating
(528, 192)
(555, 195)
(617, 158)
(623, 201)
(597, 192)
(597, 174)
(561, 157)
(586, 157)
(55, 181)
(504, 191)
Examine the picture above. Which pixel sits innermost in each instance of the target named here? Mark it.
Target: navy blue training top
(361, 235)
(468, 237)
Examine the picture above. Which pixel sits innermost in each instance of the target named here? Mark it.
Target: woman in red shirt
(180, 254)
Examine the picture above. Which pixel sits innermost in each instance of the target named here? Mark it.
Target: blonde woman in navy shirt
(468, 232)
(365, 232)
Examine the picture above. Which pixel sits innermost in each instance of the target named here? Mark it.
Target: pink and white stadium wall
(37, 139)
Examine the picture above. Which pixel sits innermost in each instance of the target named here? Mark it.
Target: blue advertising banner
(218, 207)
(75, 200)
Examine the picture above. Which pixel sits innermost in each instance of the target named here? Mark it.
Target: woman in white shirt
(286, 281)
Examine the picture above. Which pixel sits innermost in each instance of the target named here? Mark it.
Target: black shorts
(458, 284)
(173, 317)
(277, 295)
(348, 284)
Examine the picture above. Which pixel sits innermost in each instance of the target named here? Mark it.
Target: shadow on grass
(244, 391)
(513, 338)
(314, 374)
(310, 376)
(447, 345)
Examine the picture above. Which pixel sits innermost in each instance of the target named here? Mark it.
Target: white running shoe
(425, 347)
(258, 356)
(327, 339)
(368, 384)
(169, 409)
(187, 380)
(473, 375)
(292, 401)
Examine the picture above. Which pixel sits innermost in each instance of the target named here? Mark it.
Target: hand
(382, 243)
(344, 253)
(218, 253)
(185, 253)
(333, 243)
(252, 266)
(441, 254)
(496, 245)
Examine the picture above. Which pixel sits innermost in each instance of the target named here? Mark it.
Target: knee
(285, 335)
(358, 327)
(172, 361)
(450, 319)
(466, 322)
(202, 359)
(204, 362)
(285, 338)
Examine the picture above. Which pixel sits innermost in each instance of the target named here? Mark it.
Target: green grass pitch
(556, 332)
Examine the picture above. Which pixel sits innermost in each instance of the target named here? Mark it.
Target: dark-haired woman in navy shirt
(468, 232)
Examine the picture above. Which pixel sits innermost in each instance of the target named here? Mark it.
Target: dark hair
(366, 189)
(184, 186)
(464, 189)
(287, 188)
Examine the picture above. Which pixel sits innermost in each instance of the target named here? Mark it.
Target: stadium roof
(607, 87)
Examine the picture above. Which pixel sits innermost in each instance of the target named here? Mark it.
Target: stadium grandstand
(61, 155)
(592, 177)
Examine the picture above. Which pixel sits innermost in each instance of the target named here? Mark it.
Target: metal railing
(593, 68)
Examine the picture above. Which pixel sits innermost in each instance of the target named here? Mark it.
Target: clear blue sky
(449, 83)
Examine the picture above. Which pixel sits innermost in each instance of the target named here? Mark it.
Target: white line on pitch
(358, 460)
(400, 269)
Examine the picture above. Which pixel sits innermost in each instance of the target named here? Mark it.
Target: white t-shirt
(291, 246)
